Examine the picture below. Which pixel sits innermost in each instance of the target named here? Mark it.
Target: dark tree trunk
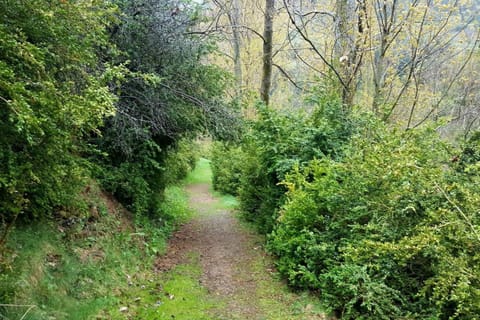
(267, 51)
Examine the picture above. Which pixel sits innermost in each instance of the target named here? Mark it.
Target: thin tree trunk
(267, 51)
(234, 17)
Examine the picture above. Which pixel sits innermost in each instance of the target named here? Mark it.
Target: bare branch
(285, 74)
(457, 75)
(312, 45)
(460, 211)
(315, 13)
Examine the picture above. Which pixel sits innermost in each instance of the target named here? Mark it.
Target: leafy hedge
(390, 231)
(274, 144)
(226, 164)
(53, 93)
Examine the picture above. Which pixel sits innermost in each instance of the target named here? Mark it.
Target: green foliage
(471, 151)
(226, 167)
(181, 95)
(180, 161)
(166, 99)
(53, 92)
(277, 142)
(139, 183)
(201, 174)
(351, 292)
(174, 207)
(136, 183)
(388, 231)
(76, 267)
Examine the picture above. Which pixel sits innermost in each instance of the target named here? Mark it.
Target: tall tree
(267, 51)
(234, 18)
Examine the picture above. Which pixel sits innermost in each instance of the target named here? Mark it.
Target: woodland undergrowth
(382, 222)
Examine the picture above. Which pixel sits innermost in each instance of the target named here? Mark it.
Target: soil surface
(225, 250)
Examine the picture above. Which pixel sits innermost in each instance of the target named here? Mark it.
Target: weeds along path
(239, 282)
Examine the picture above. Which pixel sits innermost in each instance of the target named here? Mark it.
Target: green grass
(49, 273)
(225, 201)
(82, 271)
(273, 298)
(201, 173)
(176, 294)
(278, 302)
(91, 270)
(175, 204)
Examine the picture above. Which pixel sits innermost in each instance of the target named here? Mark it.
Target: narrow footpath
(238, 277)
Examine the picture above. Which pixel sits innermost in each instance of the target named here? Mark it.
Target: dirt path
(235, 270)
(225, 250)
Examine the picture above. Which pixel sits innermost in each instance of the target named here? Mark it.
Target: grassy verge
(80, 268)
(278, 301)
(274, 299)
(176, 294)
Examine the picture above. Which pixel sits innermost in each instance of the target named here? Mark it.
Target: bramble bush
(390, 230)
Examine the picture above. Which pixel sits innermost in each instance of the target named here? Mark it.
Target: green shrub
(227, 162)
(389, 231)
(471, 151)
(180, 161)
(350, 291)
(277, 142)
(137, 181)
(53, 93)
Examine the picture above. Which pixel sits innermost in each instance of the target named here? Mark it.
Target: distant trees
(400, 59)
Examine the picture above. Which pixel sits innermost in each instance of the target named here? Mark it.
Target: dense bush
(227, 161)
(53, 93)
(169, 94)
(471, 151)
(117, 84)
(180, 160)
(277, 142)
(389, 231)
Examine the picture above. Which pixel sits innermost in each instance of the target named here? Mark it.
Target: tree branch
(285, 74)
(314, 48)
(464, 216)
